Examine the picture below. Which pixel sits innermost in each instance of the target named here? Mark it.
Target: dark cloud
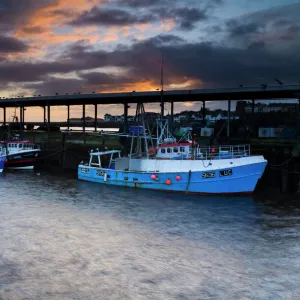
(14, 13)
(166, 3)
(142, 3)
(103, 79)
(237, 28)
(186, 18)
(61, 86)
(98, 16)
(25, 71)
(11, 45)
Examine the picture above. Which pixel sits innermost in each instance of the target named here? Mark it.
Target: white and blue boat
(177, 167)
(3, 157)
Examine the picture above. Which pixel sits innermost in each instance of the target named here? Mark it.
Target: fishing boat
(2, 157)
(183, 166)
(21, 154)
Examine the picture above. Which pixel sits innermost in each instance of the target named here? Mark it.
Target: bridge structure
(263, 92)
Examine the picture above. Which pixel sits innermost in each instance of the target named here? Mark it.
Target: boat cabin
(2, 149)
(174, 151)
(20, 146)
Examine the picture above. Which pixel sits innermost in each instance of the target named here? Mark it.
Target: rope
(285, 162)
(56, 152)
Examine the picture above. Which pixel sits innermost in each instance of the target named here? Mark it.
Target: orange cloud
(48, 18)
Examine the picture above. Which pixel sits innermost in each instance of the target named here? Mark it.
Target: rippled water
(65, 239)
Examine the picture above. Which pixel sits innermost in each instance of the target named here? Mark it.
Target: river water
(65, 239)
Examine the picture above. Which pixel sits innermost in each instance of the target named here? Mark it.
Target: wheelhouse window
(175, 150)
(169, 150)
(182, 149)
(163, 150)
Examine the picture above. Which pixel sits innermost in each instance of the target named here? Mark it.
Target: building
(247, 107)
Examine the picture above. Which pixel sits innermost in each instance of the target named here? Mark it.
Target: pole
(48, 117)
(204, 114)
(172, 112)
(4, 115)
(228, 118)
(253, 107)
(44, 107)
(21, 118)
(68, 119)
(125, 117)
(96, 117)
(162, 104)
(83, 118)
(23, 115)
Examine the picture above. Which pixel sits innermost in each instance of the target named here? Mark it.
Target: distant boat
(21, 154)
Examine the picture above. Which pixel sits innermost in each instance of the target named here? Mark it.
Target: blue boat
(3, 157)
(175, 166)
(203, 170)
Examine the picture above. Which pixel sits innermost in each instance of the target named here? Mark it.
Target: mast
(162, 104)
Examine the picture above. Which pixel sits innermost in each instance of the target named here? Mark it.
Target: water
(65, 239)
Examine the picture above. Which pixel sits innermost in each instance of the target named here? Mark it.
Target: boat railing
(221, 152)
(211, 152)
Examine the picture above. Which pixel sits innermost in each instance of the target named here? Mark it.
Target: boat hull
(22, 161)
(2, 162)
(231, 180)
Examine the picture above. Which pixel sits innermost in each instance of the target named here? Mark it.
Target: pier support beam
(83, 118)
(4, 115)
(68, 119)
(172, 113)
(126, 116)
(204, 114)
(96, 118)
(48, 117)
(228, 118)
(298, 120)
(44, 108)
(21, 118)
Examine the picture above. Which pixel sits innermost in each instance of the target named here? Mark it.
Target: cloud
(166, 3)
(269, 27)
(51, 85)
(184, 16)
(206, 65)
(11, 45)
(15, 13)
(98, 16)
(251, 52)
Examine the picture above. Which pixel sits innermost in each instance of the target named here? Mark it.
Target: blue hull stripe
(242, 179)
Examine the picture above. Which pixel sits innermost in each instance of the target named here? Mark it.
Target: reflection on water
(65, 239)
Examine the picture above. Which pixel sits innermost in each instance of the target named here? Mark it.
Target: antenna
(162, 106)
(162, 71)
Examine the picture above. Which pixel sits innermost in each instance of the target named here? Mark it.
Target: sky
(67, 46)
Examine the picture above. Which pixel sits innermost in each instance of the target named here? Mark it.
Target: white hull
(21, 168)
